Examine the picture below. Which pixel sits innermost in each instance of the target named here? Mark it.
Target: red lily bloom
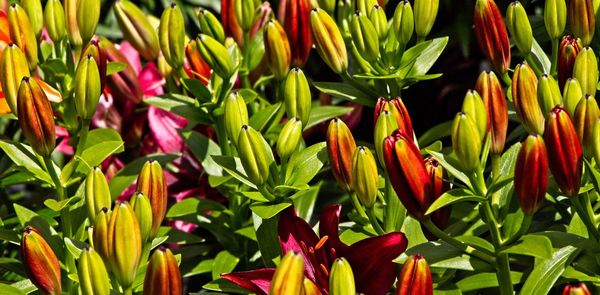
(371, 259)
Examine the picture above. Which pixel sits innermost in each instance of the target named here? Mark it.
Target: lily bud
(171, 33)
(13, 67)
(98, 52)
(407, 173)
(491, 34)
(54, 19)
(340, 147)
(310, 288)
(586, 115)
(397, 110)
(22, 34)
(295, 17)
(596, 141)
(163, 276)
(380, 22)
(386, 124)
(576, 289)
(572, 94)
(124, 84)
(151, 182)
(71, 23)
(341, 279)
(364, 37)
(297, 98)
(425, 14)
(494, 100)
(137, 29)
(198, 66)
(519, 27)
(365, 176)
(364, 6)
(236, 115)
(328, 41)
(88, 15)
(289, 138)
(100, 234)
(473, 106)
(439, 186)
(548, 94)
(97, 194)
(36, 117)
(244, 11)
(582, 19)
(289, 276)
(93, 276)
(87, 87)
(210, 25)
(531, 174)
(555, 17)
(567, 53)
(403, 22)
(277, 49)
(143, 212)
(33, 8)
(415, 277)
(327, 5)
(466, 141)
(524, 92)
(215, 55)
(564, 151)
(230, 24)
(125, 244)
(40, 262)
(256, 158)
(585, 70)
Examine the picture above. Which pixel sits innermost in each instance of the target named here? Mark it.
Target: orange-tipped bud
(152, 183)
(524, 93)
(492, 93)
(415, 277)
(531, 174)
(491, 34)
(40, 262)
(163, 276)
(36, 117)
(341, 147)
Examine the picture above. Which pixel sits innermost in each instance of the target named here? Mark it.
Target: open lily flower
(371, 259)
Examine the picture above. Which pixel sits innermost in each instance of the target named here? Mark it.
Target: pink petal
(132, 56)
(106, 115)
(184, 226)
(63, 146)
(163, 126)
(151, 80)
(256, 281)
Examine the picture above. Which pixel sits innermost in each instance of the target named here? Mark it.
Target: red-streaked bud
(143, 212)
(567, 53)
(398, 110)
(576, 289)
(124, 84)
(585, 70)
(494, 99)
(200, 69)
(582, 19)
(564, 151)
(36, 117)
(54, 20)
(328, 40)
(572, 94)
(531, 174)
(40, 262)
(473, 106)
(491, 34)
(97, 193)
(97, 51)
(466, 141)
(277, 49)
(295, 17)
(93, 275)
(524, 93)
(152, 183)
(125, 243)
(408, 174)
(341, 147)
(171, 35)
(289, 276)
(137, 29)
(549, 94)
(364, 176)
(437, 176)
(586, 115)
(13, 67)
(230, 24)
(22, 34)
(415, 277)
(163, 276)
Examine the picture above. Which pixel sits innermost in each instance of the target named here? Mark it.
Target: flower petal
(163, 126)
(132, 56)
(256, 281)
(329, 226)
(151, 80)
(293, 231)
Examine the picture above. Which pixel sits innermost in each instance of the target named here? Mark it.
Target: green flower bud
(466, 141)
(137, 29)
(151, 182)
(87, 87)
(474, 107)
(171, 33)
(379, 20)
(36, 117)
(255, 155)
(100, 240)
(548, 94)
(215, 55)
(403, 22)
(97, 193)
(586, 115)
(277, 49)
(555, 17)
(13, 67)
(296, 96)
(88, 15)
(364, 6)
(365, 176)
(586, 70)
(22, 34)
(364, 37)
(341, 279)
(33, 8)
(524, 93)
(329, 41)
(244, 11)
(327, 5)
(163, 276)
(425, 14)
(236, 115)
(93, 276)
(210, 25)
(596, 141)
(125, 244)
(71, 22)
(289, 138)
(54, 19)
(572, 94)
(519, 27)
(143, 212)
(385, 126)
(289, 276)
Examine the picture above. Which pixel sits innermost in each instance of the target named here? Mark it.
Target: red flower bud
(492, 93)
(531, 174)
(415, 277)
(491, 34)
(568, 50)
(576, 289)
(398, 110)
(40, 262)
(295, 17)
(36, 117)
(524, 92)
(340, 147)
(439, 186)
(163, 276)
(151, 181)
(230, 24)
(582, 20)
(200, 70)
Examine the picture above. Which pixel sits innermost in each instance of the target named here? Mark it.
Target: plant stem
(502, 265)
(394, 212)
(554, 61)
(348, 78)
(586, 216)
(357, 205)
(128, 291)
(531, 62)
(246, 62)
(506, 79)
(374, 222)
(495, 176)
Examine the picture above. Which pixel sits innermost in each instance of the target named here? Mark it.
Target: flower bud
(100, 234)
(425, 14)
(364, 6)
(295, 17)
(33, 8)
(244, 11)
(13, 67)
(41, 264)
(397, 110)
(567, 53)
(340, 147)
(255, 155)
(289, 138)
(328, 41)
(415, 277)
(152, 183)
(22, 33)
(54, 19)
(586, 115)
(97, 193)
(124, 84)
(97, 51)
(297, 98)
(310, 288)
(277, 49)
(555, 17)
(466, 141)
(380, 22)
(491, 34)
(364, 37)
(439, 186)
(582, 20)
(210, 25)
(365, 176)
(327, 5)
(137, 29)
(494, 100)
(236, 115)
(163, 276)
(596, 141)
(564, 151)
(93, 276)
(171, 33)
(572, 94)
(230, 24)
(125, 244)
(531, 174)
(36, 117)
(200, 70)
(585, 70)
(519, 27)
(576, 289)
(407, 173)
(215, 55)
(289, 276)
(341, 279)
(403, 22)
(548, 94)
(88, 15)
(473, 106)
(87, 87)
(524, 93)
(386, 124)
(143, 212)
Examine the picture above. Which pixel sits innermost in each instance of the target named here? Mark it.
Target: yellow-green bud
(87, 87)
(71, 22)
(555, 17)
(586, 115)
(236, 115)
(474, 107)
(329, 41)
(596, 141)
(385, 126)
(255, 155)
(93, 276)
(341, 279)
(88, 15)
(296, 96)
(364, 176)
(171, 33)
(33, 8)
(54, 19)
(277, 49)
(466, 141)
(289, 276)
(519, 27)
(289, 138)
(327, 5)
(380, 22)
(13, 67)
(97, 193)
(572, 94)
(364, 6)
(215, 55)
(22, 34)
(143, 212)
(548, 94)
(244, 11)
(137, 29)
(425, 14)
(125, 244)
(364, 37)
(403, 22)
(585, 70)
(210, 25)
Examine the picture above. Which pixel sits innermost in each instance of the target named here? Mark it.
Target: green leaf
(203, 149)
(304, 201)
(224, 262)
(507, 168)
(320, 114)
(267, 210)
(454, 196)
(24, 157)
(485, 280)
(262, 118)
(412, 229)
(197, 89)
(205, 266)
(74, 247)
(268, 241)
(255, 196)
(346, 92)
(304, 165)
(449, 165)
(10, 290)
(442, 255)
(57, 206)
(181, 105)
(437, 132)
(114, 67)
(531, 245)
(193, 206)
(13, 265)
(545, 273)
(25, 286)
(233, 166)
(129, 173)
(540, 57)
(577, 226)
(223, 285)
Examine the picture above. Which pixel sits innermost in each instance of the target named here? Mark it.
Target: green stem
(588, 219)
(222, 136)
(554, 60)
(263, 190)
(357, 205)
(394, 212)
(83, 135)
(506, 79)
(502, 266)
(420, 39)
(246, 55)
(531, 62)
(128, 291)
(348, 78)
(496, 165)
(374, 222)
